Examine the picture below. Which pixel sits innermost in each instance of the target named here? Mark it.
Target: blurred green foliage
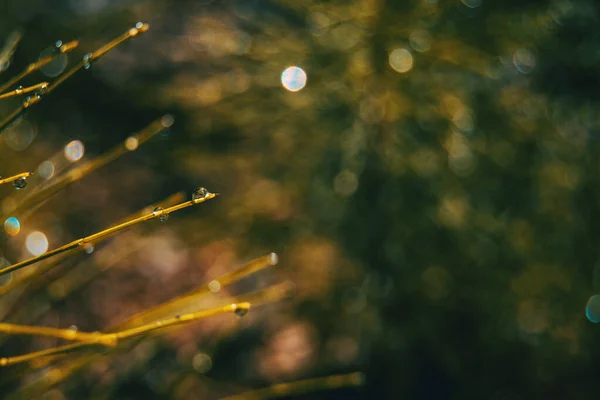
(432, 191)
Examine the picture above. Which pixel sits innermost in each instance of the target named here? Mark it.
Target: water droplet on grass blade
(241, 311)
(162, 217)
(200, 193)
(20, 183)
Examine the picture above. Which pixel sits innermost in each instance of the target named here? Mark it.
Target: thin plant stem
(113, 338)
(106, 232)
(132, 143)
(24, 90)
(15, 177)
(85, 63)
(67, 334)
(245, 270)
(296, 388)
(262, 297)
(31, 68)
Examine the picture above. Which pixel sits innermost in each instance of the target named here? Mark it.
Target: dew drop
(88, 248)
(19, 89)
(42, 90)
(139, 25)
(162, 217)
(87, 61)
(200, 193)
(241, 311)
(20, 183)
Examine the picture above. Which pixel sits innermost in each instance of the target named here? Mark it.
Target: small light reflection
(19, 135)
(131, 143)
(36, 243)
(472, 3)
(46, 169)
(12, 226)
(401, 60)
(214, 286)
(524, 61)
(420, 40)
(293, 79)
(592, 309)
(74, 151)
(202, 363)
(56, 66)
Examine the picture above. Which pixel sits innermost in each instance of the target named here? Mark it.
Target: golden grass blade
(265, 296)
(21, 90)
(85, 63)
(81, 274)
(112, 339)
(66, 334)
(106, 232)
(132, 143)
(354, 379)
(92, 57)
(15, 177)
(180, 302)
(31, 68)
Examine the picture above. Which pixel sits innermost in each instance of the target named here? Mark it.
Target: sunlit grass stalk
(24, 90)
(15, 177)
(265, 296)
(66, 334)
(74, 280)
(112, 339)
(296, 388)
(106, 232)
(215, 285)
(85, 63)
(37, 197)
(31, 68)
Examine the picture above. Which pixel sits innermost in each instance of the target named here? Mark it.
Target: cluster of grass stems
(69, 357)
